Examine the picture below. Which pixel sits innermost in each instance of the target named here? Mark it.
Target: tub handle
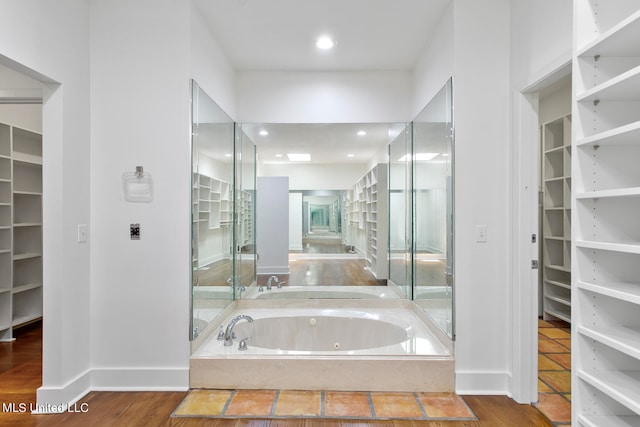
(243, 344)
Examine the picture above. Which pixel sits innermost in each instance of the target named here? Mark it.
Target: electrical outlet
(134, 231)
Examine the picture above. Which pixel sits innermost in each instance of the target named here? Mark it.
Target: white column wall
(140, 98)
(33, 39)
(481, 102)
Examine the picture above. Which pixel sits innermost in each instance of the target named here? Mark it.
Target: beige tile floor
(554, 371)
(322, 404)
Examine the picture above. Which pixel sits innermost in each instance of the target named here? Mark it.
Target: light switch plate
(481, 233)
(83, 233)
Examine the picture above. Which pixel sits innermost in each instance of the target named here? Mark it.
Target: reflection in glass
(245, 259)
(433, 209)
(212, 205)
(400, 212)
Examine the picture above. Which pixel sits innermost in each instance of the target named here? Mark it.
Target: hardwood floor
(20, 376)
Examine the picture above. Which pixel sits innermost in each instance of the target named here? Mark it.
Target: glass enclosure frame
(433, 209)
(222, 266)
(420, 212)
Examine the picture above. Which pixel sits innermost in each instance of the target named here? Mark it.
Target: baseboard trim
(140, 379)
(482, 383)
(50, 399)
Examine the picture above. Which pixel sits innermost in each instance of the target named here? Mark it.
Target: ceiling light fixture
(361, 133)
(299, 157)
(228, 155)
(263, 132)
(351, 155)
(278, 155)
(325, 43)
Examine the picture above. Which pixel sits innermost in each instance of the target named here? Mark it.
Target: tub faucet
(228, 334)
(270, 281)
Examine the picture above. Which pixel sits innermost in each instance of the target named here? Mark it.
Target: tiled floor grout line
(422, 408)
(371, 407)
(228, 402)
(275, 403)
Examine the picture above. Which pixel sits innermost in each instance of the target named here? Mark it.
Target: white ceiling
(326, 143)
(281, 34)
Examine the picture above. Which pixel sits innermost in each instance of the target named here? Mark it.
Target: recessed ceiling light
(361, 133)
(351, 155)
(228, 155)
(263, 132)
(298, 157)
(278, 155)
(325, 43)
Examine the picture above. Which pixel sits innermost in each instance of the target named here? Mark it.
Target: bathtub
(352, 345)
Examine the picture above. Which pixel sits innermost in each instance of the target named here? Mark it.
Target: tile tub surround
(424, 362)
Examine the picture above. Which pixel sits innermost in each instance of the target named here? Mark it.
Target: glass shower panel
(433, 209)
(212, 138)
(400, 212)
(245, 216)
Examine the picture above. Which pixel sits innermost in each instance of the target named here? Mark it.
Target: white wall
(50, 42)
(316, 176)
(209, 66)
(295, 221)
(272, 224)
(25, 116)
(555, 102)
(482, 165)
(323, 97)
(435, 65)
(541, 38)
(140, 71)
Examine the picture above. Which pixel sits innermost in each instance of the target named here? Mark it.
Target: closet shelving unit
(368, 215)
(212, 202)
(606, 248)
(20, 228)
(556, 243)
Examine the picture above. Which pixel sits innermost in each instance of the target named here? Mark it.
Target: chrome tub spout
(228, 334)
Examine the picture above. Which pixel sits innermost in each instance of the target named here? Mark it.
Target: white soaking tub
(376, 345)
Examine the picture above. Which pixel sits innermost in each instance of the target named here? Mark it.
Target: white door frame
(524, 189)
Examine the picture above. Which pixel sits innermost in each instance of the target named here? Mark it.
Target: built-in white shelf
(364, 216)
(627, 247)
(556, 229)
(20, 228)
(621, 40)
(622, 386)
(609, 420)
(624, 135)
(606, 249)
(623, 87)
